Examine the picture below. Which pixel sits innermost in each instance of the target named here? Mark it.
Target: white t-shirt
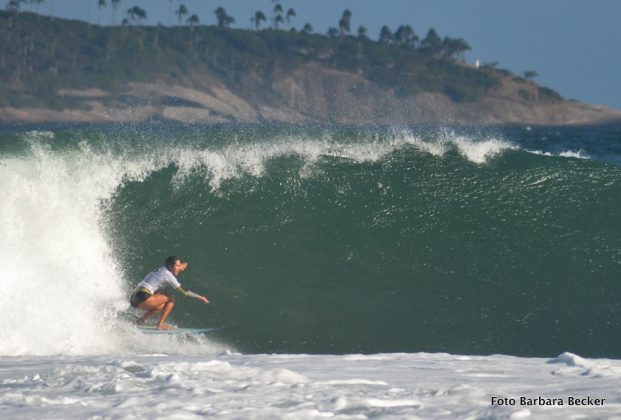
(159, 279)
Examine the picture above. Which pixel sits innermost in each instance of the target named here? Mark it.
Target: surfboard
(176, 331)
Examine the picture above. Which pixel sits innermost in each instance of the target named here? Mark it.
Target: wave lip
(232, 161)
(481, 152)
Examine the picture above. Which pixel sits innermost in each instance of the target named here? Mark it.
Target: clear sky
(574, 45)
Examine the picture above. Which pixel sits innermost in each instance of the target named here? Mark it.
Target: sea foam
(415, 385)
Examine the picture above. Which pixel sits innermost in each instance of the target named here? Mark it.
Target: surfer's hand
(203, 299)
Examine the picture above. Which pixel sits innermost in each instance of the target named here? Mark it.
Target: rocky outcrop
(312, 93)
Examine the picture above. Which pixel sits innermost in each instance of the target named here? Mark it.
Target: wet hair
(170, 261)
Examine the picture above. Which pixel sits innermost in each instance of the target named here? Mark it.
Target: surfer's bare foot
(165, 327)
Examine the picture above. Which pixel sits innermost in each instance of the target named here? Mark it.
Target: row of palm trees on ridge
(403, 36)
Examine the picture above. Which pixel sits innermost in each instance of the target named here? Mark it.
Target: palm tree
(181, 12)
(345, 23)
(405, 36)
(193, 20)
(229, 20)
(224, 20)
(454, 48)
(277, 20)
(136, 14)
(332, 31)
(362, 32)
(258, 17)
(385, 35)
(115, 5)
(308, 28)
(141, 13)
(530, 74)
(290, 13)
(432, 42)
(277, 15)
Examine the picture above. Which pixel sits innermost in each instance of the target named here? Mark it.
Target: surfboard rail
(177, 331)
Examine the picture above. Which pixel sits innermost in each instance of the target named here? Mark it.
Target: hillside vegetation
(40, 56)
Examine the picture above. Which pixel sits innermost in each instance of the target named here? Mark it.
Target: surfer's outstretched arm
(188, 293)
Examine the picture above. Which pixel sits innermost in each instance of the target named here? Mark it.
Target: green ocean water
(344, 240)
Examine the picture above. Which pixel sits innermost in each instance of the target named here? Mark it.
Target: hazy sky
(574, 45)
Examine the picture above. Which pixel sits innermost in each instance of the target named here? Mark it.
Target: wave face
(317, 240)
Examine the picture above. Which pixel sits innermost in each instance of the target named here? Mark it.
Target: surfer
(149, 297)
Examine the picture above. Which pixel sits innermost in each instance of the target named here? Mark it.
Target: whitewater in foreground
(232, 385)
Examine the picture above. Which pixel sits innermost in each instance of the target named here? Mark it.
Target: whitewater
(68, 268)
(229, 385)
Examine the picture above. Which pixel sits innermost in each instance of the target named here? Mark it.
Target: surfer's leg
(165, 312)
(155, 304)
(152, 312)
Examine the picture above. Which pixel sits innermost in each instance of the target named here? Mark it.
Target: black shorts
(139, 297)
